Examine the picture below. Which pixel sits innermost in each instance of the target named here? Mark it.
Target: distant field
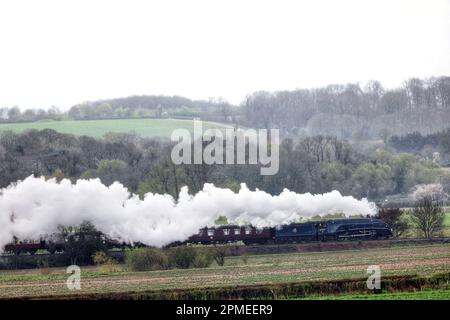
(260, 270)
(98, 128)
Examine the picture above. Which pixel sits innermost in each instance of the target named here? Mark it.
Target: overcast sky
(64, 52)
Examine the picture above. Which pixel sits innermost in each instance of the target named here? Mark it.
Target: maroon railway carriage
(233, 233)
(30, 246)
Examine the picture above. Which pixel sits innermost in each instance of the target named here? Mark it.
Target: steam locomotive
(331, 230)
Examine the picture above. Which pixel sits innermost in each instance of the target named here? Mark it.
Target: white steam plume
(35, 207)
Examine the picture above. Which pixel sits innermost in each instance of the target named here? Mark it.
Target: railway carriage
(26, 246)
(233, 233)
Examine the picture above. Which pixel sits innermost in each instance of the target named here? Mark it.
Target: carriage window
(294, 230)
(237, 231)
(259, 231)
(226, 231)
(248, 230)
(210, 232)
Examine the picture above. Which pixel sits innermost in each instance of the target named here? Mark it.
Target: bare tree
(428, 216)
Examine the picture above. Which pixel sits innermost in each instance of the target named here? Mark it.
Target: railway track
(237, 249)
(340, 245)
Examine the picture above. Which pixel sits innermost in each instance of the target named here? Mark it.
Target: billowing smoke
(35, 207)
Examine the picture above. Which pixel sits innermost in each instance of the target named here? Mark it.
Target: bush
(188, 257)
(202, 260)
(182, 257)
(44, 267)
(244, 255)
(395, 218)
(146, 259)
(219, 255)
(105, 262)
(439, 278)
(100, 257)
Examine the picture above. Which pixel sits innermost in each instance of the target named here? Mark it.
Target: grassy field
(447, 220)
(446, 231)
(98, 128)
(420, 295)
(258, 270)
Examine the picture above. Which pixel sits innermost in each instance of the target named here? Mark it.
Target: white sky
(65, 52)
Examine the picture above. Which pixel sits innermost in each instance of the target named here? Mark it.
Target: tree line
(312, 164)
(354, 112)
(347, 111)
(146, 106)
(15, 114)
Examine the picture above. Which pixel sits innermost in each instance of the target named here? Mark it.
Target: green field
(98, 128)
(419, 295)
(258, 270)
(446, 229)
(447, 220)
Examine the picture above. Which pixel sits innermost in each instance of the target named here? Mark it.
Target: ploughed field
(98, 128)
(257, 270)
